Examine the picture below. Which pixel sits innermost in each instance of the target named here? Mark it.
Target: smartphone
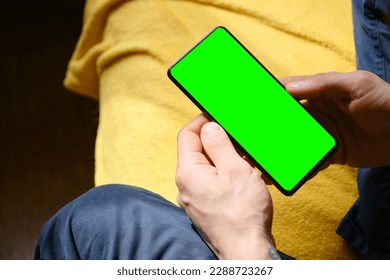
(263, 120)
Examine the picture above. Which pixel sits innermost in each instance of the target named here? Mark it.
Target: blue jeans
(366, 227)
(121, 222)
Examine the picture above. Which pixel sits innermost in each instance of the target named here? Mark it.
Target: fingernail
(297, 84)
(210, 129)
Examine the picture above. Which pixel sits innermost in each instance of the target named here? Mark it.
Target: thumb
(217, 145)
(332, 84)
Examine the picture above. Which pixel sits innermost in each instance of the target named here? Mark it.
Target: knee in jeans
(100, 207)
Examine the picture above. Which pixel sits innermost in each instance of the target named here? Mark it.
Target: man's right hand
(355, 108)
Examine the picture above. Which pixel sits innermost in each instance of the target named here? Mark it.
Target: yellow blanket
(122, 57)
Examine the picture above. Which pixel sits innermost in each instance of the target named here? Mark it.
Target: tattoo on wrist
(274, 254)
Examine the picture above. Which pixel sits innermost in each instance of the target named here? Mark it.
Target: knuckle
(319, 80)
(363, 81)
(217, 147)
(363, 77)
(180, 134)
(179, 200)
(180, 177)
(183, 199)
(322, 78)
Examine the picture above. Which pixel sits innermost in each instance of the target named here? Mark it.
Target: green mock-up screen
(273, 129)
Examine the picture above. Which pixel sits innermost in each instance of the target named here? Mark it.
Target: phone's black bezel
(315, 168)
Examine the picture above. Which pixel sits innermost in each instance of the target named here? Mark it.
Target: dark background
(47, 134)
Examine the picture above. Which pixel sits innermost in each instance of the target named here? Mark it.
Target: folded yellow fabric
(122, 58)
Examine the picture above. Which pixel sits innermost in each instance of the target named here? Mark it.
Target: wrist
(247, 247)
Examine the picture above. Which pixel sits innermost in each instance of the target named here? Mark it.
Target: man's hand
(355, 107)
(223, 195)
